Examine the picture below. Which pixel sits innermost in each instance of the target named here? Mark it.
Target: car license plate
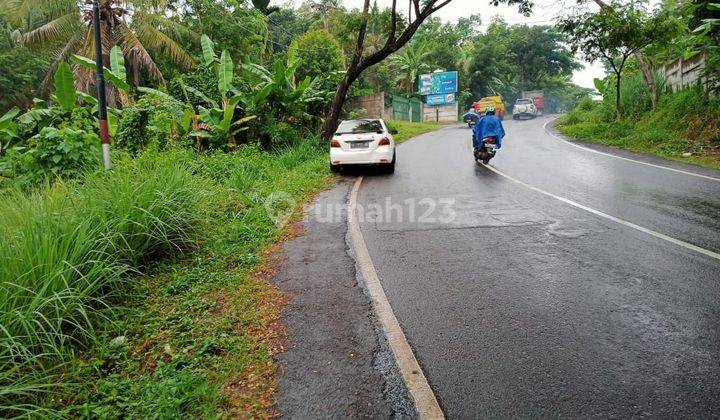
(359, 145)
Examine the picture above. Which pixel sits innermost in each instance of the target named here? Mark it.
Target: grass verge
(141, 292)
(682, 123)
(176, 334)
(407, 130)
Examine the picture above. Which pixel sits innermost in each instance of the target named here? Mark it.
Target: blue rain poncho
(488, 126)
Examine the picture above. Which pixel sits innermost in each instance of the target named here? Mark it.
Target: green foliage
(276, 97)
(243, 31)
(155, 119)
(411, 62)
(204, 79)
(23, 69)
(286, 25)
(208, 50)
(685, 121)
(225, 73)
(132, 134)
(508, 59)
(65, 87)
(64, 152)
(613, 35)
(139, 27)
(117, 63)
(165, 343)
(117, 78)
(67, 252)
(9, 131)
(317, 53)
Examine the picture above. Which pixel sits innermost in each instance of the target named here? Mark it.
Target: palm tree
(139, 27)
(411, 62)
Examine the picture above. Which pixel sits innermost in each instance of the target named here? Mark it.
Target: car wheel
(390, 168)
(334, 168)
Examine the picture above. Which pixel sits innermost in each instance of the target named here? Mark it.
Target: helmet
(490, 110)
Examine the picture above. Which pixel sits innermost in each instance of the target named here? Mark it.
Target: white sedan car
(363, 142)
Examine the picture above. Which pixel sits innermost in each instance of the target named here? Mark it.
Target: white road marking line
(425, 402)
(624, 158)
(609, 217)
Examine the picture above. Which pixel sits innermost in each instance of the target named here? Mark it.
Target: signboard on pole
(438, 83)
(440, 99)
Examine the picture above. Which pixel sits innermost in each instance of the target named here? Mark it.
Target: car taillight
(384, 142)
(334, 143)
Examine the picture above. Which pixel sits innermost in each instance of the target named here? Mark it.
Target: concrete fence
(682, 73)
(370, 106)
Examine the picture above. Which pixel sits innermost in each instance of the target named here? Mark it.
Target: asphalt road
(517, 304)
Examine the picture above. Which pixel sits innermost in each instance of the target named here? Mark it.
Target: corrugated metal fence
(406, 109)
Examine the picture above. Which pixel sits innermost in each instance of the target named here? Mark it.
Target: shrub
(64, 152)
(204, 79)
(148, 122)
(318, 52)
(587, 104)
(132, 133)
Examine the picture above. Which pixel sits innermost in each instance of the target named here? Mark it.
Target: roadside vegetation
(639, 110)
(408, 130)
(684, 126)
(140, 292)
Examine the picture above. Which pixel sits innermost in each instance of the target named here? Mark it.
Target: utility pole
(100, 81)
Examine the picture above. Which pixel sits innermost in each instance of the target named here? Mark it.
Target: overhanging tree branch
(393, 43)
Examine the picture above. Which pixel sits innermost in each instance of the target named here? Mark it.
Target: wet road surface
(518, 304)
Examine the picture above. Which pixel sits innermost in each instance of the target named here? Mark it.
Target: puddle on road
(468, 212)
(564, 230)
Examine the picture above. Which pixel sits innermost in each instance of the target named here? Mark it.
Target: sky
(545, 12)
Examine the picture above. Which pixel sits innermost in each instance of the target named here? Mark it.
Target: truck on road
(491, 101)
(538, 98)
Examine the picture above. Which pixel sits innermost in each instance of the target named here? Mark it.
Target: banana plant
(67, 97)
(208, 50)
(65, 93)
(217, 121)
(277, 90)
(117, 75)
(600, 85)
(9, 131)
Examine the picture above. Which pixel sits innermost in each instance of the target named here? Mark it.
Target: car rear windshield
(359, 126)
(524, 101)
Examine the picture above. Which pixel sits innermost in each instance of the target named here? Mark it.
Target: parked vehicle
(471, 117)
(487, 150)
(363, 142)
(524, 107)
(538, 98)
(491, 101)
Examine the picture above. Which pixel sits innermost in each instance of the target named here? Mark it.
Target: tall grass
(65, 254)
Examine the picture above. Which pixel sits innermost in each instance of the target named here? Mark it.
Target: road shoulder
(335, 363)
(551, 128)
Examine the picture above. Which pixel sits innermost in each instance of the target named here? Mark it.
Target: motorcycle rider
(488, 126)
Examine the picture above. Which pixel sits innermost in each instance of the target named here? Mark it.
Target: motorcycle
(470, 118)
(487, 150)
